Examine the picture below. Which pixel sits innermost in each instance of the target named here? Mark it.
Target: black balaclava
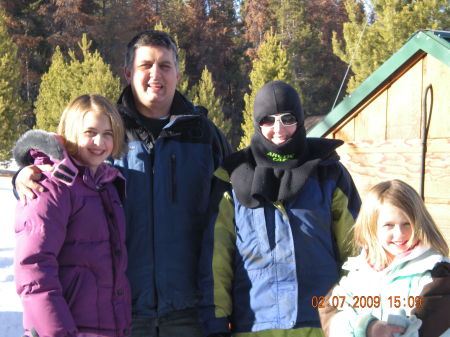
(275, 98)
(265, 172)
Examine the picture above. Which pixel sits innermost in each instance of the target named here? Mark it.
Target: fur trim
(43, 141)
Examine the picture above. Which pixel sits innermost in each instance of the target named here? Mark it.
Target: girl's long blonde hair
(401, 195)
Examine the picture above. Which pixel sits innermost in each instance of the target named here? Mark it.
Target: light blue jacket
(261, 267)
(365, 294)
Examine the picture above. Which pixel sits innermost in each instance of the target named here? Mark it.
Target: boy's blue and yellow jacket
(261, 267)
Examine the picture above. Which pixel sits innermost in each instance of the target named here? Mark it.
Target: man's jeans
(182, 323)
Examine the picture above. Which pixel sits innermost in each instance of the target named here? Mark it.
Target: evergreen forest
(53, 50)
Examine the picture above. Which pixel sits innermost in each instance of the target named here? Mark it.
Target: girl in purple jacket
(70, 253)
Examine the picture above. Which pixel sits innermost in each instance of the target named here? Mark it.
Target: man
(173, 150)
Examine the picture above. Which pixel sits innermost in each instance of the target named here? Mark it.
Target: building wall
(383, 136)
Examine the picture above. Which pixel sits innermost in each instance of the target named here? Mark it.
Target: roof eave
(422, 41)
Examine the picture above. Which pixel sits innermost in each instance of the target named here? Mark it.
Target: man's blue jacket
(168, 187)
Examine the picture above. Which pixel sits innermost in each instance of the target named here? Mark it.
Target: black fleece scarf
(255, 184)
(268, 172)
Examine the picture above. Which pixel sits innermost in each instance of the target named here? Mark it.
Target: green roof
(435, 43)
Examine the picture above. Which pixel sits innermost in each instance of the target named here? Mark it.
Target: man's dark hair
(156, 38)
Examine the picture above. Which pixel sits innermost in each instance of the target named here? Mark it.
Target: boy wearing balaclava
(281, 211)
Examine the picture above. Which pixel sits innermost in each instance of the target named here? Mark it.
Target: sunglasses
(287, 119)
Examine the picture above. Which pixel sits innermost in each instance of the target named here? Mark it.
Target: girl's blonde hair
(72, 121)
(401, 195)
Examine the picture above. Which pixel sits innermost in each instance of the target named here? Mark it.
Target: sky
(10, 306)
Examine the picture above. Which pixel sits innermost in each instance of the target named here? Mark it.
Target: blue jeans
(183, 323)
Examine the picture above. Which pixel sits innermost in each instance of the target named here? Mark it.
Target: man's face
(153, 78)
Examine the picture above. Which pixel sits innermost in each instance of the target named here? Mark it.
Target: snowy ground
(10, 307)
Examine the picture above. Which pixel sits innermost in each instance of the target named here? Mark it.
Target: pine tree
(211, 37)
(66, 80)
(306, 28)
(67, 20)
(92, 75)
(28, 29)
(12, 107)
(204, 94)
(272, 63)
(148, 12)
(390, 25)
(258, 18)
(54, 93)
(110, 39)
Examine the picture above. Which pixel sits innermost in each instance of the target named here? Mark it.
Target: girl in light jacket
(70, 254)
(403, 269)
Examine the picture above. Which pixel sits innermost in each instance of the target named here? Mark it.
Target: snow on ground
(10, 306)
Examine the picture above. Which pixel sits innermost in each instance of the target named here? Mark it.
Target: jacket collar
(255, 181)
(181, 110)
(421, 258)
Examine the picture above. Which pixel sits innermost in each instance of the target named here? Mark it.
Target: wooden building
(396, 124)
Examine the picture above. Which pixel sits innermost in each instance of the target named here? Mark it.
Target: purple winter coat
(71, 256)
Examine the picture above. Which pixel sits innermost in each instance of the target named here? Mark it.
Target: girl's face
(95, 140)
(394, 230)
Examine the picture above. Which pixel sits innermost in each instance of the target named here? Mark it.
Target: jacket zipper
(153, 227)
(173, 160)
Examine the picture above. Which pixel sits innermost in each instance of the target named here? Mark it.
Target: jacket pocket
(81, 294)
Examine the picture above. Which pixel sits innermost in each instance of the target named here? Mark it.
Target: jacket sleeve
(40, 233)
(338, 317)
(435, 303)
(221, 147)
(39, 140)
(345, 207)
(216, 263)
